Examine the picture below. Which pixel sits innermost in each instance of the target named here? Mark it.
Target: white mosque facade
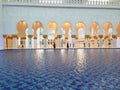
(64, 23)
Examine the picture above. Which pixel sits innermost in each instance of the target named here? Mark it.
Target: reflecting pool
(60, 69)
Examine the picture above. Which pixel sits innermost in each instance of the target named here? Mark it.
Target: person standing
(54, 45)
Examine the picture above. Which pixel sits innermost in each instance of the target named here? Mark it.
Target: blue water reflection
(65, 69)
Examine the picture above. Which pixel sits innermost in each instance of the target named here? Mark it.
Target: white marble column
(35, 42)
(19, 39)
(114, 43)
(38, 42)
(4, 41)
(59, 41)
(45, 41)
(118, 42)
(30, 41)
(19, 42)
(1, 30)
(73, 40)
(14, 41)
(27, 41)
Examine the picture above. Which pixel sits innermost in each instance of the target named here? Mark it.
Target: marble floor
(60, 69)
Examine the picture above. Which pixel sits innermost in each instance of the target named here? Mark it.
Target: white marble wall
(1, 33)
(58, 14)
(45, 14)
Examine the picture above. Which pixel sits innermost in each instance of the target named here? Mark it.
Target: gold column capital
(87, 36)
(45, 36)
(9, 36)
(73, 36)
(5, 35)
(59, 36)
(66, 37)
(14, 36)
(101, 36)
(23, 37)
(114, 36)
(30, 36)
(35, 37)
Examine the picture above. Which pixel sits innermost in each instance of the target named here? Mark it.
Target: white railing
(69, 2)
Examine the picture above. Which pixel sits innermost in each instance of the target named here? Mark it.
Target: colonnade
(29, 42)
(64, 38)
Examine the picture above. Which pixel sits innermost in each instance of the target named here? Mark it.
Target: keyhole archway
(38, 31)
(94, 29)
(22, 28)
(52, 29)
(108, 29)
(66, 26)
(37, 27)
(67, 34)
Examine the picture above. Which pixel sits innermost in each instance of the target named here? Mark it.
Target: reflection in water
(83, 69)
(63, 54)
(39, 54)
(39, 58)
(81, 60)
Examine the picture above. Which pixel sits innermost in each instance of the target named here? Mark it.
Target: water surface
(65, 69)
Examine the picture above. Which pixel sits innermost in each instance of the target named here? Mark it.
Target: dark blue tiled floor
(79, 69)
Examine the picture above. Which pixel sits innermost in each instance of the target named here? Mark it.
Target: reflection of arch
(54, 27)
(80, 29)
(22, 26)
(36, 25)
(67, 26)
(118, 29)
(107, 30)
(94, 29)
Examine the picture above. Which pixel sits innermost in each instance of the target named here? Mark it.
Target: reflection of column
(35, 42)
(4, 41)
(45, 41)
(14, 41)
